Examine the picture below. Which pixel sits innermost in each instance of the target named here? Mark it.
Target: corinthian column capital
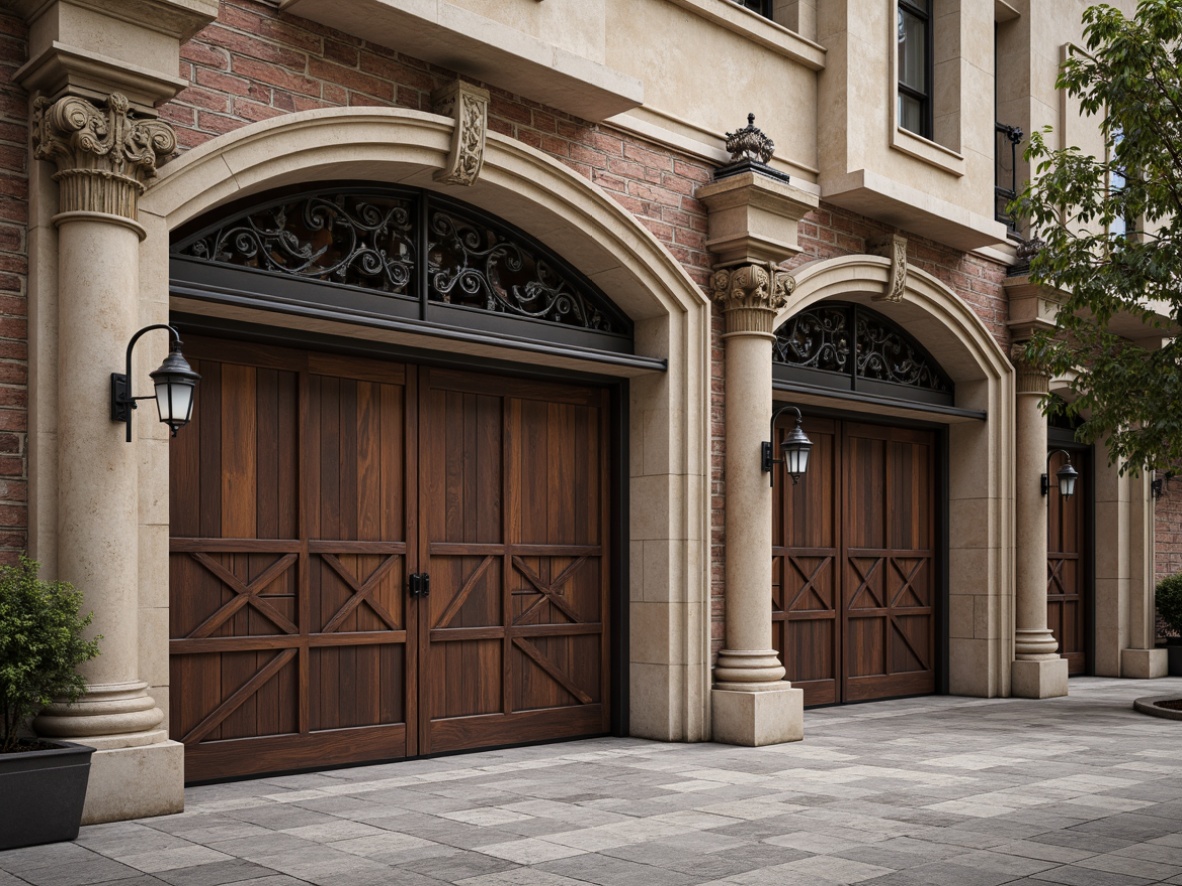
(104, 155)
(1030, 378)
(751, 295)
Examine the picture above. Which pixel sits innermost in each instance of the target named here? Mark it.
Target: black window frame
(924, 98)
(760, 7)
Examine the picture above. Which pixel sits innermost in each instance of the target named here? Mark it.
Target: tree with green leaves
(1111, 232)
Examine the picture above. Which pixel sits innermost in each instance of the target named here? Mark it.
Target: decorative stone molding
(104, 156)
(751, 295)
(468, 104)
(1028, 378)
(893, 247)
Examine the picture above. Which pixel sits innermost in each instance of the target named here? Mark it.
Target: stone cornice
(753, 217)
(751, 295)
(104, 155)
(177, 18)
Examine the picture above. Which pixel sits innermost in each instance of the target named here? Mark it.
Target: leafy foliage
(1112, 229)
(42, 643)
(1169, 601)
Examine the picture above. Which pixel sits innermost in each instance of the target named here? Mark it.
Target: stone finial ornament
(750, 143)
(468, 104)
(893, 247)
(751, 295)
(104, 156)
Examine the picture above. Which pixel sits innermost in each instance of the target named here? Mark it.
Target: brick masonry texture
(14, 280)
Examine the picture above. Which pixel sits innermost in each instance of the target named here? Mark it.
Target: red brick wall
(253, 63)
(14, 278)
(1167, 522)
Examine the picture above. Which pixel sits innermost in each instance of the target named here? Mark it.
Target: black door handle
(418, 584)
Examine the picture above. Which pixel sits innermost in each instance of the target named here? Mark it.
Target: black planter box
(42, 793)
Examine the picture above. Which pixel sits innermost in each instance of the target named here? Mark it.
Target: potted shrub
(42, 642)
(1169, 607)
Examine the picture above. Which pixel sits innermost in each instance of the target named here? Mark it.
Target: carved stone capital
(751, 295)
(1029, 378)
(468, 104)
(893, 247)
(104, 156)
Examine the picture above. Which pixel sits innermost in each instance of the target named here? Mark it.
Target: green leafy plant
(1169, 601)
(42, 642)
(1110, 227)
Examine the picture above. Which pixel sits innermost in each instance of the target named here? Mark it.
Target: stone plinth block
(1039, 679)
(135, 782)
(753, 218)
(1143, 664)
(754, 719)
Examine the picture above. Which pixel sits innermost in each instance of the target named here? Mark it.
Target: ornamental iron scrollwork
(340, 238)
(818, 338)
(469, 263)
(858, 343)
(412, 244)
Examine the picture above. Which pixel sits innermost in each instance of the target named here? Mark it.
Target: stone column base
(1039, 679)
(753, 719)
(135, 782)
(1143, 664)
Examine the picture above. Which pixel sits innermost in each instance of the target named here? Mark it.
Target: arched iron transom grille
(399, 253)
(850, 347)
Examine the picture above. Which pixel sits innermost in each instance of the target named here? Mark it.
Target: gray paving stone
(607, 871)
(456, 866)
(1077, 876)
(95, 869)
(216, 874)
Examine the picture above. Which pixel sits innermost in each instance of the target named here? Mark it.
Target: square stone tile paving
(940, 790)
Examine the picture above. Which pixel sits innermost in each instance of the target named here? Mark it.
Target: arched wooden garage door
(856, 573)
(373, 560)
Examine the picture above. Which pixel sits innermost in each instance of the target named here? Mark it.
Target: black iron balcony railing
(1005, 172)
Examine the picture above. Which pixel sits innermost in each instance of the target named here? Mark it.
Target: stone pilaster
(105, 154)
(753, 705)
(1038, 671)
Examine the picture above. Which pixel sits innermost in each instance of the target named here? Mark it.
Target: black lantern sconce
(796, 448)
(1158, 485)
(174, 382)
(1067, 475)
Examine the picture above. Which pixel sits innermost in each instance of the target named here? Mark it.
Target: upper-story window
(915, 66)
(763, 7)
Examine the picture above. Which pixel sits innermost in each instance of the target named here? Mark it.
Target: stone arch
(981, 453)
(668, 471)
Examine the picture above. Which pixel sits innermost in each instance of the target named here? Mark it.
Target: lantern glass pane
(174, 402)
(796, 460)
(1067, 486)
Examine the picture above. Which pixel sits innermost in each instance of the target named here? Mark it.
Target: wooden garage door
(1068, 572)
(307, 493)
(855, 574)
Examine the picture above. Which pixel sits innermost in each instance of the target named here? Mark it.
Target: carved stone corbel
(751, 295)
(468, 104)
(893, 247)
(104, 156)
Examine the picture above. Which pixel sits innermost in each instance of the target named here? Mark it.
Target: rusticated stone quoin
(751, 295)
(105, 156)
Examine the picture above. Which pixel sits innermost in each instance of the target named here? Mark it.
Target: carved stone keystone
(893, 247)
(468, 104)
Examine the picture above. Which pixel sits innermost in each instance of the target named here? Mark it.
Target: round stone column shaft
(1033, 640)
(751, 294)
(103, 155)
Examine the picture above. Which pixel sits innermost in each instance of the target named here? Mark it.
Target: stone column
(104, 155)
(1037, 671)
(752, 703)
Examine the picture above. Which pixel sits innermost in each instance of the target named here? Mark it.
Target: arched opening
(663, 477)
(896, 555)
